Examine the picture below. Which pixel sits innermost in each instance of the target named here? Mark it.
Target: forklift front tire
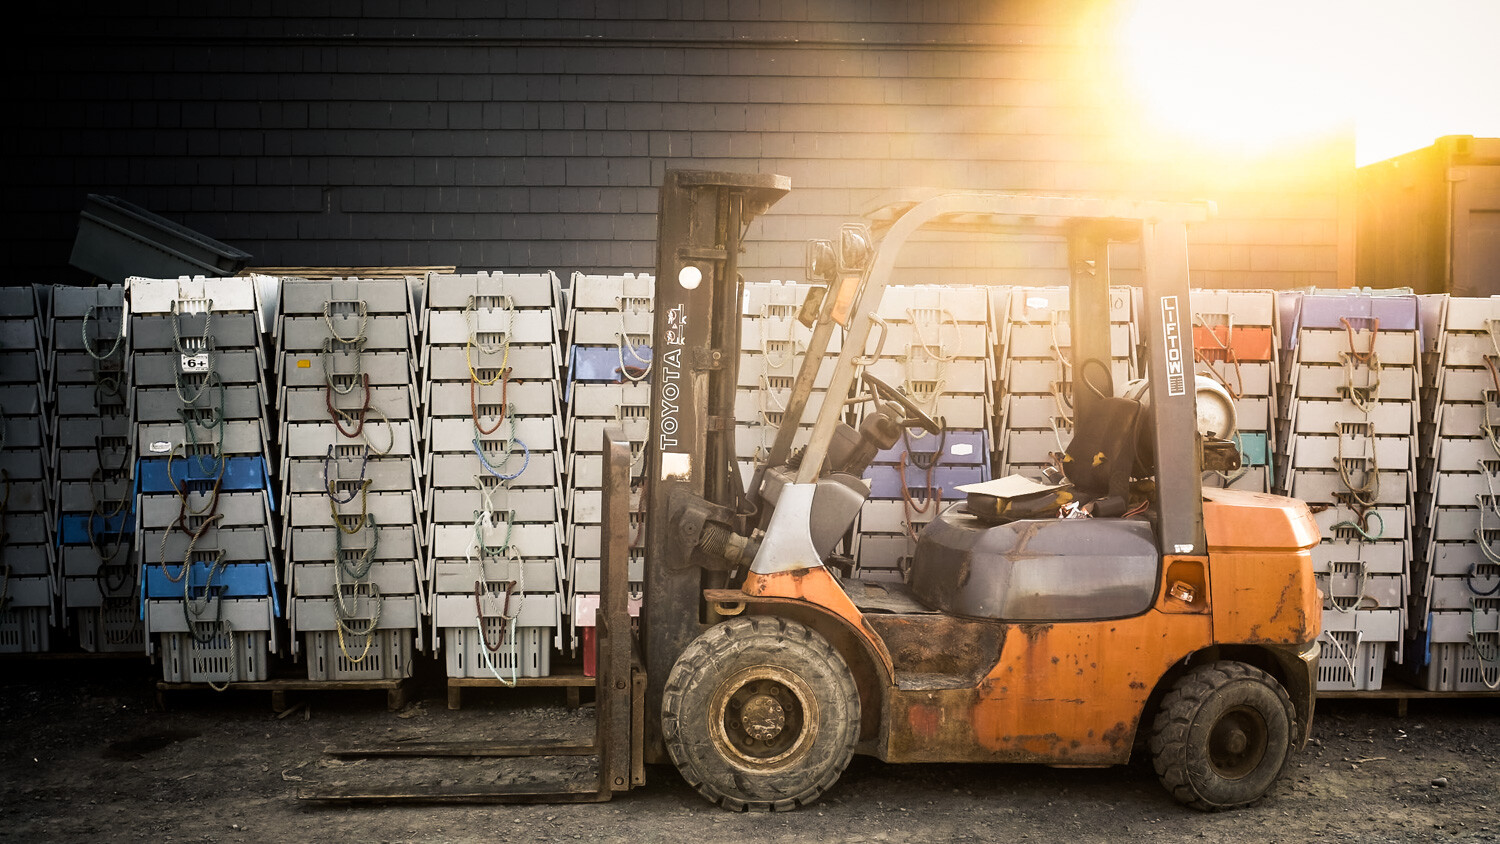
(1224, 736)
(760, 714)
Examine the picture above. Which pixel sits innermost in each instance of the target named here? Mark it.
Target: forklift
(1018, 636)
(1185, 616)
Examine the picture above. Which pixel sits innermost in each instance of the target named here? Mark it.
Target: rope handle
(1343, 603)
(88, 345)
(504, 379)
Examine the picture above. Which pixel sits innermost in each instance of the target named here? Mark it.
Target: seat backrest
(1102, 454)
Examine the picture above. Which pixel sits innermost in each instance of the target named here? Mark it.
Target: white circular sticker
(690, 277)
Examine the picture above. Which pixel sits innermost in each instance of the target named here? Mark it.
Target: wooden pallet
(395, 690)
(572, 681)
(1403, 693)
(343, 272)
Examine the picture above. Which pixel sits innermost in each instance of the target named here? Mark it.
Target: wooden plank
(533, 793)
(554, 681)
(319, 273)
(289, 685)
(468, 749)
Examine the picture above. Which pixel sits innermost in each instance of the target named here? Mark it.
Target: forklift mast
(692, 490)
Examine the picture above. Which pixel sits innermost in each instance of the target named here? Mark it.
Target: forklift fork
(620, 688)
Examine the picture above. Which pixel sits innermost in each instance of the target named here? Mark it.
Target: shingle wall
(531, 135)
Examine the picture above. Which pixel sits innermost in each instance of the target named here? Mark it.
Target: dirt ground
(88, 755)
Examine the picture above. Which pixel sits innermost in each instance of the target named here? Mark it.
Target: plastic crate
(117, 240)
(111, 629)
(1459, 667)
(24, 630)
(388, 657)
(225, 658)
(1349, 664)
(467, 656)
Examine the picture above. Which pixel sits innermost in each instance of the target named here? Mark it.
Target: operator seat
(1104, 452)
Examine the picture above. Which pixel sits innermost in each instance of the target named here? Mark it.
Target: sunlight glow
(1248, 77)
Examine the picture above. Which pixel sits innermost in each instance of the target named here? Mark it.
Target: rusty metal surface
(933, 650)
(1060, 693)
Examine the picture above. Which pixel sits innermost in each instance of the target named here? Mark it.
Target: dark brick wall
(531, 135)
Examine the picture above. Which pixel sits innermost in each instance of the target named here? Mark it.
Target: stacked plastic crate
(26, 561)
(92, 448)
(346, 361)
(204, 502)
(493, 465)
(1454, 624)
(609, 328)
(1036, 380)
(936, 350)
(1235, 343)
(1352, 376)
(772, 346)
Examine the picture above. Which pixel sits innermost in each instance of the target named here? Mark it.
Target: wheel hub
(766, 716)
(1238, 742)
(763, 717)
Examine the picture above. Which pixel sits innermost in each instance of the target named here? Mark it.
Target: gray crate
(453, 577)
(524, 653)
(523, 398)
(237, 657)
(526, 363)
(25, 630)
(233, 366)
(166, 332)
(460, 506)
(319, 580)
(110, 629)
(310, 297)
(456, 541)
(388, 509)
(374, 333)
(319, 544)
(394, 438)
(388, 656)
(346, 369)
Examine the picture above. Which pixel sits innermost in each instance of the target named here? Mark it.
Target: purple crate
(885, 481)
(1396, 313)
(960, 448)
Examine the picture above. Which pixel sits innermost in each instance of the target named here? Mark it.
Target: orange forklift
(1018, 636)
(1188, 613)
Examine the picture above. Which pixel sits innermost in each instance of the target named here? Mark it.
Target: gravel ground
(90, 756)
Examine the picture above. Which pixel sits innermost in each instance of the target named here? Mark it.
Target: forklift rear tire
(1223, 737)
(760, 714)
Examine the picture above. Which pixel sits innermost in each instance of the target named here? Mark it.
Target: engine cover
(1036, 569)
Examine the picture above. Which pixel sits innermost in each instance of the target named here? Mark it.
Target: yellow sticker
(304, 364)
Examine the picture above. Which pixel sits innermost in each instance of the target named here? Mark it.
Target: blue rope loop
(328, 481)
(484, 461)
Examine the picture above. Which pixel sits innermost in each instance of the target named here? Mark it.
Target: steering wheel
(914, 415)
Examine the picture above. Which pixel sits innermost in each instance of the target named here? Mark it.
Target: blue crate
(238, 474)
(1253, 449)
(885, 481)
(73, 528)
(235, 580)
